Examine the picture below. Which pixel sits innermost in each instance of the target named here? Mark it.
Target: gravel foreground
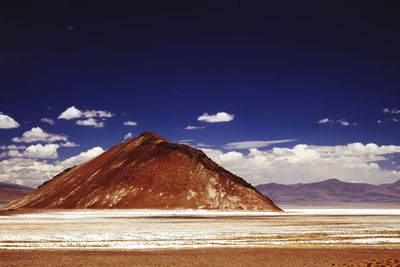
(204, 257)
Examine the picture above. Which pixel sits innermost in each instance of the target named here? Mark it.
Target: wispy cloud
(12, 147)
(324, 120)
(192, 143)
(391, 110)
(185, 141)
(190, 127)
(48, 120)
(90, 122)
(391, 115)
(343, 122)
(256, 144)
(130, 123)
(202, 145)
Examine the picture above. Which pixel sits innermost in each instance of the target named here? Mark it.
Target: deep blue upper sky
(278, 68)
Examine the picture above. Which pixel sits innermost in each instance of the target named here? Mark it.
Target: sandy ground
(205, 257)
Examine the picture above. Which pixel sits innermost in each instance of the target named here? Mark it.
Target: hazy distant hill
(395, 185)
(10, 192)
(332, 191)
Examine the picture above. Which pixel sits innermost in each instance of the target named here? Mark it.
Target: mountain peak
(150, 137)
(332, 180)
(147, 172)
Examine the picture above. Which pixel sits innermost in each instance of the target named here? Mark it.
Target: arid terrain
(297, 237)
(148, 201)
(205, 257)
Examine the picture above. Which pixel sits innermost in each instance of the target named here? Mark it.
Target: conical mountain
(147, 172)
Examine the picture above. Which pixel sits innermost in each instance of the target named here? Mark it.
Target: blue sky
(279, 69)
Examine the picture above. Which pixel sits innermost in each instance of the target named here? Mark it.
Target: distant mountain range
(328, 192)
(332, 191)
(10, 192)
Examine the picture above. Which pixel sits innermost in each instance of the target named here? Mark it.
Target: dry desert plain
(296, 237)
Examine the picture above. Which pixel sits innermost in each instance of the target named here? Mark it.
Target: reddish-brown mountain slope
(147, 172)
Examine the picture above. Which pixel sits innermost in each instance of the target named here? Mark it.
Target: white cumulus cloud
(27, 171)
(48, 151)
(35, 171)
(14, 154)
(355, 162)
(36, 134)
(82, 157)
(70, 113)
(218, 117)
(69, 144)
(6, 122)
(75, 113)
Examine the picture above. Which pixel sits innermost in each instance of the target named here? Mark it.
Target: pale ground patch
(149, 229)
